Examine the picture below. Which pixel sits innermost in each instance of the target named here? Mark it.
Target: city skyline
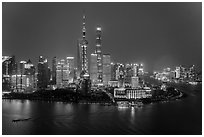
(101, 68)
(148, 35)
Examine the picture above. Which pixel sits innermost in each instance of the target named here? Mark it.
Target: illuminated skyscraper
(6, 76)
(30, 76)
(62, 74)
(128, 74)
(135, 70)
(70, 63)
(106, 69)
(121, 72)
(22, 67)
(9, 65)
(141, 69)
(99, 55)
(93, 68)
(43, 73)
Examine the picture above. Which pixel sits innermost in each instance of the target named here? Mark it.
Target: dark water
(177, 117)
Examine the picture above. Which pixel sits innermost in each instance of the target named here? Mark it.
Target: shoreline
(105, 103)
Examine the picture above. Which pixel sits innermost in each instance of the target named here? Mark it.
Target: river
(175, 117)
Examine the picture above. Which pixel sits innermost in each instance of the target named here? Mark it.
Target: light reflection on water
(63, 118)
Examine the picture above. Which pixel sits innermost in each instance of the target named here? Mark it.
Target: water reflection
(175, 117)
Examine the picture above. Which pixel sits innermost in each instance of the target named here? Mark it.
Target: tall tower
(99, 55)
(84, 44)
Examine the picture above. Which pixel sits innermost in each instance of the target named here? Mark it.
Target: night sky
(156, 34)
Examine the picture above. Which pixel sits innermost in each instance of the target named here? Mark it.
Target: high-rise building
(29, 68)
(30, 76)
(62, 76)
(106, 68)
(70, 63)
(141, 69)
(6, 76)
(135, 69)
(93, 69)
(5, 64)
(99, 55)
(54, 67)
(43, 73)
(128, 74)
(113, 71)
(13, 66)
(121, 75)
(9, 65)
(22, 67)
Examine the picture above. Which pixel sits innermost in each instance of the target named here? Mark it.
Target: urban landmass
(98, 80)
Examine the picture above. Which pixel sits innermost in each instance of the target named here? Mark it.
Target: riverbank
(94, 98)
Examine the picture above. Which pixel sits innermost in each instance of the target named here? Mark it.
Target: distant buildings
(180, 74)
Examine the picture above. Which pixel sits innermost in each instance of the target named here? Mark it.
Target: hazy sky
(157, 34)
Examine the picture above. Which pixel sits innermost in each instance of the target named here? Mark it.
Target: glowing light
(98, 28)
(22, 61)
(70, 57)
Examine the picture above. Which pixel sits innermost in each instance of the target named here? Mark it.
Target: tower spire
(84, 25)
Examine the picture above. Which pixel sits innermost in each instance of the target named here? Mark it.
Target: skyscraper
(99, 55)
(22, 67)
(62, 74)
(93, 68)
(30, 76)
(70, 63)
(121, 72)
(128, 74)
(22, 72)
(106, 68)
(6, 78)
(43, 73)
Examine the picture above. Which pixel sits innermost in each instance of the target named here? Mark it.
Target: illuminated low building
(132, 93)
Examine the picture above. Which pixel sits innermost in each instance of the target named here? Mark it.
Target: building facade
(99, 55)
(106, 68)
(93, 69)
(43, 77)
